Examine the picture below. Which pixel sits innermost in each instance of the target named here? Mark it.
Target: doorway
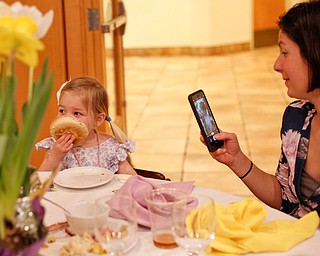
(266, 14)
(74, 47)
(114, 16)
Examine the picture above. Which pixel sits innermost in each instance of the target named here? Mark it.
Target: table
(144, 245)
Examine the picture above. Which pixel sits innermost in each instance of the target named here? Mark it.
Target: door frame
(72, 49)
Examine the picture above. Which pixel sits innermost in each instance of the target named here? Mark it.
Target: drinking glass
(117, 236)
(194, 226)
(160, 205)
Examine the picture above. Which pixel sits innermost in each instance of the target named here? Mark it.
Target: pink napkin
(136, 188)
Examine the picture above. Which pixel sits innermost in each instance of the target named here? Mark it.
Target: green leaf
(32, 119)
(7, 114)
(26, 180)
(3, 143)
(16, 150)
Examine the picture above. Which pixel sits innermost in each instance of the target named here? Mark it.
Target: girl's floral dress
(295, 134)
(111, 153)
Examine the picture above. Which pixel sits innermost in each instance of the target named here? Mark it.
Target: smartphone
(205, 119)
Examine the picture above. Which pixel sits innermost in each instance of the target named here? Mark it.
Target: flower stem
(30, 83)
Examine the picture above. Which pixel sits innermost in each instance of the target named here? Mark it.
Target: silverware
(56, 204)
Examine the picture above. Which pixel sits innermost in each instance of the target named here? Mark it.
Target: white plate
(83, 177)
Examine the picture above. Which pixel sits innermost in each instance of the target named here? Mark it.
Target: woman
(295, 189)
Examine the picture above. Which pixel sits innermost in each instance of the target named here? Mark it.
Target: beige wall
(187, 23)
(290, 3)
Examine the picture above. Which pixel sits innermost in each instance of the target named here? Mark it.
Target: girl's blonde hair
(94, 97)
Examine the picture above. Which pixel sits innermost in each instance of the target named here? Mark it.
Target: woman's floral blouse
(295, 134)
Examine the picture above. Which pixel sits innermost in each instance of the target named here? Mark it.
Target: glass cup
(117, 236)
(194, 226)
(160, 204)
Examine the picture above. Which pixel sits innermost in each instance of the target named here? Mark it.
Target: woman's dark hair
(302, 24)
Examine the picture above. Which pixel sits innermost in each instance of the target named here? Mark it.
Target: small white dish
(83, 177)
(81, 216)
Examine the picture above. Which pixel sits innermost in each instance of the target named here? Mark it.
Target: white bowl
(82, 216)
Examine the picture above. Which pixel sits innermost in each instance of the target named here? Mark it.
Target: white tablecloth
(144, 245)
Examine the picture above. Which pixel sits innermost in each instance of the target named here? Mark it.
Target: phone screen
(205, 119)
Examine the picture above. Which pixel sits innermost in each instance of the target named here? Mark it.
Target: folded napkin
(136, 188)
(241, 229)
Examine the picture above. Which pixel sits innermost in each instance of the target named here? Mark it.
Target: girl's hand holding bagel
(68, 125)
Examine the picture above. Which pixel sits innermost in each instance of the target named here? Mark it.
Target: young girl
(86, 100)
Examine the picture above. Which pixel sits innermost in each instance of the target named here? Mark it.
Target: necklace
(98, 141)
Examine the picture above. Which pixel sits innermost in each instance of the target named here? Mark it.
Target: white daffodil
(17, 9)
(21, 27)
(5, 9)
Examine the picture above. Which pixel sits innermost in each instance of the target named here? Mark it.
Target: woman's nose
(277, 65)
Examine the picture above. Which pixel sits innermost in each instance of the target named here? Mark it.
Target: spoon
(58, 205)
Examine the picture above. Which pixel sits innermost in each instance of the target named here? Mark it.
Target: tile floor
(246, 97)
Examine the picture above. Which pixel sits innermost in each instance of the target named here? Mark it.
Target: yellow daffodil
(43, 22)
(21, 27)
(17, 39)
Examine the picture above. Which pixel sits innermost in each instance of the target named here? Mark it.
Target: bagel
(63, 125)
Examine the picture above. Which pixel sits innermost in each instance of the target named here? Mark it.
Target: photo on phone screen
(205, 119)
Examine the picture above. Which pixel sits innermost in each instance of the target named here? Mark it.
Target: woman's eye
(284, 53)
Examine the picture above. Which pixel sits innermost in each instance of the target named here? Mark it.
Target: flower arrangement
(21, 28)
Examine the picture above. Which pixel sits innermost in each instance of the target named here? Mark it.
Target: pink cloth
(136, 188)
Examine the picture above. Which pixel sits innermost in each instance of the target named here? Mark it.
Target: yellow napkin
(241, 229)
